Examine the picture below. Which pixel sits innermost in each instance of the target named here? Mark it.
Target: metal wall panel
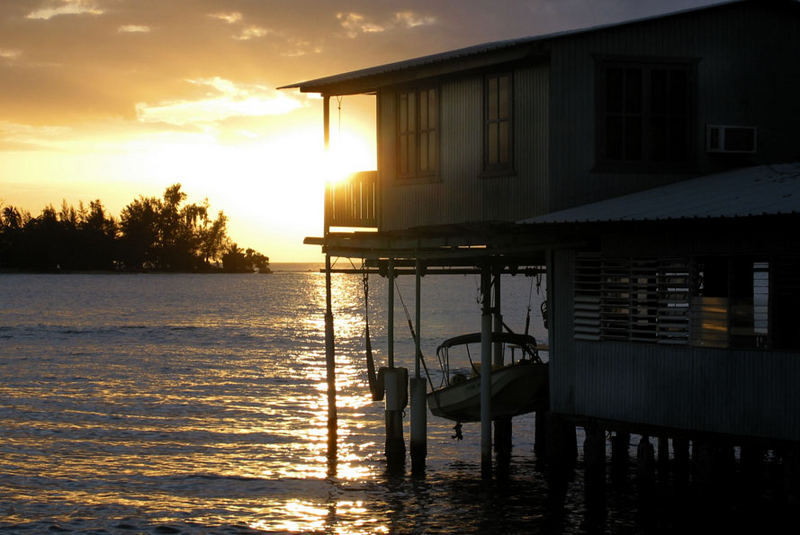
(739, 392)
(459, 193)
(746, 75)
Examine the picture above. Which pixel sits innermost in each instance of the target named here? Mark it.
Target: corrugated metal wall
(738, 392)
(745, 392)
(459, 193)
(747, 74)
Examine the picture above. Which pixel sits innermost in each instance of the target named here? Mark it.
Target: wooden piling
(662, 465)
(681, 465)
(645, 459)
(502, 426)
(620, 443)
(419, 390)
(540, 436)
(594, 457)
(486, 374)
(395, 446)
(330, 355)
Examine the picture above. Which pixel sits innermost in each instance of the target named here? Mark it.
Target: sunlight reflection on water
(198, 402)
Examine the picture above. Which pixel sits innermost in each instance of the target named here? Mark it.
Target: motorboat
(518, 387)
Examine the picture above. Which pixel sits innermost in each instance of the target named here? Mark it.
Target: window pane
(492, 146)
(658, 91)
(412, 154)
(403, 156)
(659, 139)
(433, 109)
(614, 138)
(633, 90)
(504, 97)
(492, 100)
(423, 111)
(432, 151)
(678, 138)
(614, 90)
(403, 126)
(503, 143)
(412, 112)
(678, 92)
(633, 138)
(423, 151)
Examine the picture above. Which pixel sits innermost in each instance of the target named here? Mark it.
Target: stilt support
(486, 374)
(594, 456)
(419, 421)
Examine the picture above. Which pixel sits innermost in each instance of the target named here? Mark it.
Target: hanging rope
(375, 388)
(413, 333)
(528, 315)
(339, 106)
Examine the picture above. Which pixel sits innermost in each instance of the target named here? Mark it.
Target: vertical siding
(746, 74)
(740, 392)
(459, 193)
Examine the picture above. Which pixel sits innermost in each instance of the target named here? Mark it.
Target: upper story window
(498, 136)
(417, 132)
(645, 113)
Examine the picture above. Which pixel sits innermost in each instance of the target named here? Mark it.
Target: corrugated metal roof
(754, 191)
(319, 83)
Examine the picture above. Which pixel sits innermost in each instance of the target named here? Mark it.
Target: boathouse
(647, 165)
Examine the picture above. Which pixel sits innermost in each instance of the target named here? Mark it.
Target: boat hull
(516, 389)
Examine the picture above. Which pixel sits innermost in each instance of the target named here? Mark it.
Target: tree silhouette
(152, 234)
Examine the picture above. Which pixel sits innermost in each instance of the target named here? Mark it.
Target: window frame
(647, 161)
(417, 133)
(500, 168)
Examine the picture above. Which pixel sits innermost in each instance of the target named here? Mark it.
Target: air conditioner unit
(731, 139)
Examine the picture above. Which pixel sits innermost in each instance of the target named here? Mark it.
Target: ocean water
(156, 403)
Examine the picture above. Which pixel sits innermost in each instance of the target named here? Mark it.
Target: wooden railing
(353, 202)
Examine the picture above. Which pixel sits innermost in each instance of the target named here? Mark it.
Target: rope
(372, 378)
(413, 333)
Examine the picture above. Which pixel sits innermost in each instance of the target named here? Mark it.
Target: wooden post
(502, 426)
(645, 457)
(663, 458)
(395, 443)
(486, 372)
(419, 390)
(594, 455)
(330, 355)
(681, 465)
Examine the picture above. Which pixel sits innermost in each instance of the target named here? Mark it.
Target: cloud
(16, 136)
(224, 100)
(54, 8)
(230, 18)
(409, 19)
(133, 28)
(10, 53)
(356, 23)
(251, 32)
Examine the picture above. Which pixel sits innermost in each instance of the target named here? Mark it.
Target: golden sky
(111, 99)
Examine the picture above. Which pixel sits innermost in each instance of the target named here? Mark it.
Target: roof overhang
(765, 190)
(446, 246)
(436, 65)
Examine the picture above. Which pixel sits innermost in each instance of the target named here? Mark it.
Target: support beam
(396, 381)
(330, 355)
(486, 372)
(502, 426)
(330, 364)
(419, 390)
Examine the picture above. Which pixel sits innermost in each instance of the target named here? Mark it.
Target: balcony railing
(353, 202)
